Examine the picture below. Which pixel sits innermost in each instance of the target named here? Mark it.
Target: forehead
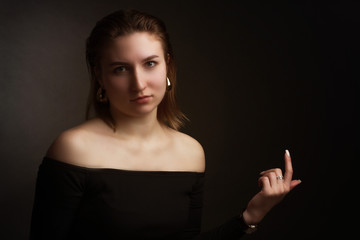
(133, 47)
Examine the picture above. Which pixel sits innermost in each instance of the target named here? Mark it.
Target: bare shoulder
(191, 150)
(71, 146)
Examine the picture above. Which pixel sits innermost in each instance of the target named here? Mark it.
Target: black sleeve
(230, 230)
(57, 196)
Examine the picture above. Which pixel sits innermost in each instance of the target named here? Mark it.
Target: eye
(150, 64)
(120, 69)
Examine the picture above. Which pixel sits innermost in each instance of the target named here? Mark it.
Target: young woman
(128, 173)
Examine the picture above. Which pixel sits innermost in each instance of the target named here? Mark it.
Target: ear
(168, 58)
(97, 72)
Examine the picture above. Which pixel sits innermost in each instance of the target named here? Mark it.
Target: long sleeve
(230, 230)
(57, 196)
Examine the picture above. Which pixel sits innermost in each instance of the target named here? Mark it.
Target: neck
(143, 127)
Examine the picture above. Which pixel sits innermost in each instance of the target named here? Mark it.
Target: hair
(122, 23)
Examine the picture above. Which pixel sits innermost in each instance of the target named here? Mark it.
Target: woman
(128, 173)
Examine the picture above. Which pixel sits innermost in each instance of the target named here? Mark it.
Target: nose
(138, 82)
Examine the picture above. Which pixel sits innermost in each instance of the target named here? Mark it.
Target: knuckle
(261, 179)
(278, 193)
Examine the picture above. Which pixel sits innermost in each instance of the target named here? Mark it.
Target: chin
(137, 111)
(142, 111)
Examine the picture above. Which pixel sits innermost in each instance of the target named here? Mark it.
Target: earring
(100, 95)
(168, 87)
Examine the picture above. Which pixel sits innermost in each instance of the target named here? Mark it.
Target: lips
(142, 99)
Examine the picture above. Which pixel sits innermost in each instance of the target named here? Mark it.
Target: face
(133, 74)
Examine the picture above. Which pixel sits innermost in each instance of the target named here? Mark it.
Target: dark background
(255, 79)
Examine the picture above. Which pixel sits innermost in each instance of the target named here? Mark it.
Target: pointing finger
(288, 168)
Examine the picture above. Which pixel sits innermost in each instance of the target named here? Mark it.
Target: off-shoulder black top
(73, 202)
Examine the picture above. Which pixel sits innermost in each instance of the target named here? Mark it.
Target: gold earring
(100, 95)
(168, 87)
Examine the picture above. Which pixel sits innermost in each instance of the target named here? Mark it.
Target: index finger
(288, 168)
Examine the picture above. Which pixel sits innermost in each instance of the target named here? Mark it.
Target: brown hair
(121, 23)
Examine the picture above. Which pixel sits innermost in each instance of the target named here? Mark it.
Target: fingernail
(287, 152)
(299, 181)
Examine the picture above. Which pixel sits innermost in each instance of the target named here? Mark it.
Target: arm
(231, 230)
(58, 188)
(57, 197)
(273, 189)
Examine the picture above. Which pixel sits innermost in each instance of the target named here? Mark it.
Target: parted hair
(122, 23)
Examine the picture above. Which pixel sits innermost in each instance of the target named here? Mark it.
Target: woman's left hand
(274, 187)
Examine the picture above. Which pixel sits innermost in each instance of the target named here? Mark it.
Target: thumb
(294, 183)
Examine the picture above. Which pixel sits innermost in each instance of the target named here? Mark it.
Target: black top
(73, 202)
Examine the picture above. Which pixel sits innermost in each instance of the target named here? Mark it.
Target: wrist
(246, 228)
(252, 217)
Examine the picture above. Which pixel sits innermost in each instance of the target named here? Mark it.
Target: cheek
(116, 87)
(158, 80)
(119, 84)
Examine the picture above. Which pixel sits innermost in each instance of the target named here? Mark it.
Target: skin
(133, 66)
(272, 191)
(130, 67)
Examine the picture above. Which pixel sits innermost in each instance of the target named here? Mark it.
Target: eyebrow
(125, 63)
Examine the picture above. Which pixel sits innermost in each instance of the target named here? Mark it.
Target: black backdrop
(255, 79)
